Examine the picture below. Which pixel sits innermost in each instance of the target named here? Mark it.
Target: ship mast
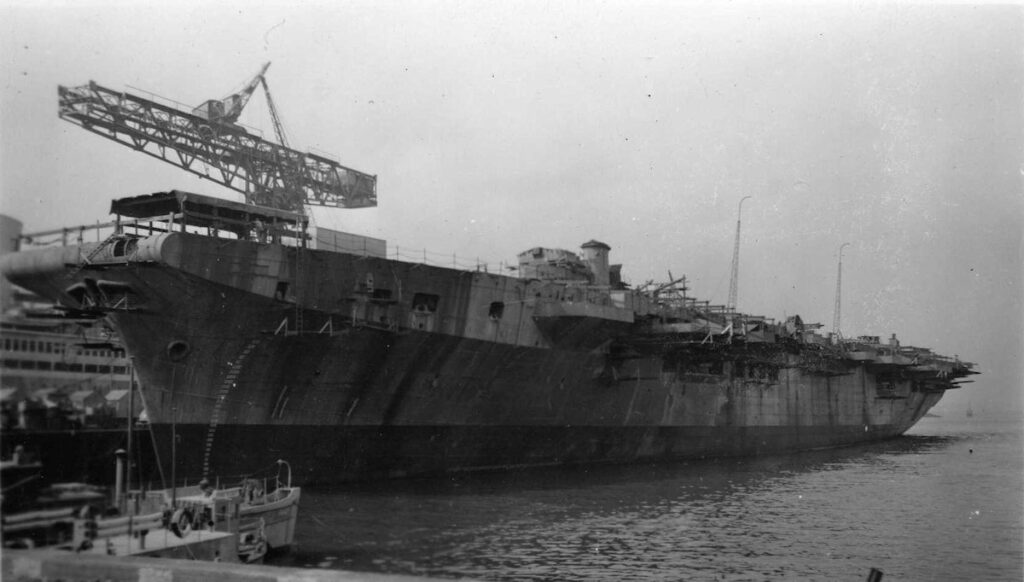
(734, 278)
(839, 292)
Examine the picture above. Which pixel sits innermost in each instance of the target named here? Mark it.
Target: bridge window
(425, 302)
(496, 311)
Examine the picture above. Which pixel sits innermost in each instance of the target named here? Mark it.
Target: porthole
(178, 350)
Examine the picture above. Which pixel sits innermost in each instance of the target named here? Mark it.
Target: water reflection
(736, 517)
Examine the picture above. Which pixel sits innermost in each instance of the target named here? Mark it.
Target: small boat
(262, 511)
(35, 513)
(234, 524)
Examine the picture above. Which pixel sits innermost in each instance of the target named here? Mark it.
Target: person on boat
(251, 490)
(206, 488)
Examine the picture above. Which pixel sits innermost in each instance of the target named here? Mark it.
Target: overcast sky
(496, 127)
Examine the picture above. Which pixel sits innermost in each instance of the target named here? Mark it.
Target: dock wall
(57, 566)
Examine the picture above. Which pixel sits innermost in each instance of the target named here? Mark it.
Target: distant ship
(60, 375)
(47, 358)
(45, 352)
(251, 346)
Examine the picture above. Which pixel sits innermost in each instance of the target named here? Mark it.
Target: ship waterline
(338, 454)
(355, 366)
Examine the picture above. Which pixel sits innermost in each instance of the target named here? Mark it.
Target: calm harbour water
(942, 503)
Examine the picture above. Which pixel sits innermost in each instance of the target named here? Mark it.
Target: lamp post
(734, 278)
(839, 293)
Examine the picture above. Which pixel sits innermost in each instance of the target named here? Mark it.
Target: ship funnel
(595, 255)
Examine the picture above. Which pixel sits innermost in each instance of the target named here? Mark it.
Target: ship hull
(333, 454)
(249, 353)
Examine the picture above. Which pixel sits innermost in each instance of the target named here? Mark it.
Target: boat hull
(275, 518)
(336, 454)
(250, 353)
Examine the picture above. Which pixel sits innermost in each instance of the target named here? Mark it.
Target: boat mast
(131, 414)
(174, 455)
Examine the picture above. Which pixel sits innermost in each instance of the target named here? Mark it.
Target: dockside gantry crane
(208, 142)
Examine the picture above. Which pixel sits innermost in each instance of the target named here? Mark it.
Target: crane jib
(266, 173)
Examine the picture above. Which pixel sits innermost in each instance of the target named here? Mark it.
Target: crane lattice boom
(268, 174)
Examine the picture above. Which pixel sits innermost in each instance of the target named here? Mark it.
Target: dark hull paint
(379, 389)
(331, 454)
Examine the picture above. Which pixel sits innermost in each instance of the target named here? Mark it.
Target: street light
(734, 278)
(839, 292)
